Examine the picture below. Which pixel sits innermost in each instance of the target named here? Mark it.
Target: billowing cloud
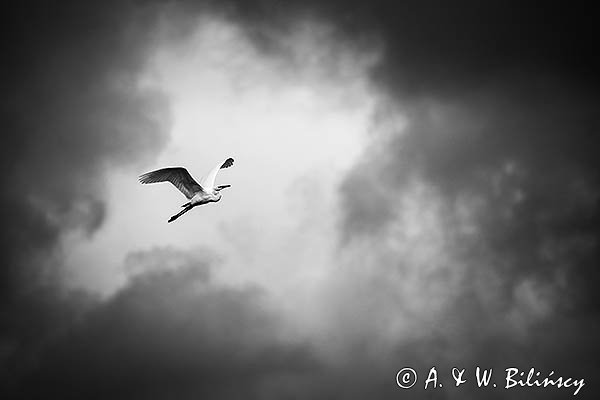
(171, 333)
(476, 235)
(71, 109)
(466, 235)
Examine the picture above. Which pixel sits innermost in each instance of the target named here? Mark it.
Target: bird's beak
(221, 187)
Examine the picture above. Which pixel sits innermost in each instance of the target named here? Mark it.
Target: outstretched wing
(178, 176)
(208, 182)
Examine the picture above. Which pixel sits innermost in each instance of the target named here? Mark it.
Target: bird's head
(217, 190)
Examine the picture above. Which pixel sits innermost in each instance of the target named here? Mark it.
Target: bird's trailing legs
(187, 208)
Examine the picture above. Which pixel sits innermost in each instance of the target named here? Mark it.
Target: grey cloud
(501, 108)
(501, 105)
(171, 333)
(508, 171)
(437, 48)
(70, 108)
(520, 165)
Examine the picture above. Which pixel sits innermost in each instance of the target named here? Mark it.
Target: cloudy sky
(415, 185)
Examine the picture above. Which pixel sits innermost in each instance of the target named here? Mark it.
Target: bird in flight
(198, 194)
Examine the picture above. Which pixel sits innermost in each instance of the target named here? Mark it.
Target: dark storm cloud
(70, 108)
(171, 333)
(501, 102)
(502, 119)
(435, 47)
(525, 156)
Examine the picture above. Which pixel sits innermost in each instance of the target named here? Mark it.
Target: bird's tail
(180, 213)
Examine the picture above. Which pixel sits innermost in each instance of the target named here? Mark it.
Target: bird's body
(198, 194)
(203, 198)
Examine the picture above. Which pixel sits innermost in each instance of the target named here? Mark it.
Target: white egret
(198, 194)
